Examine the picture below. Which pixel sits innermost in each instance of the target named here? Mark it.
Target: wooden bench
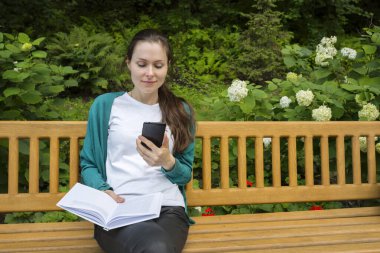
(335, 230)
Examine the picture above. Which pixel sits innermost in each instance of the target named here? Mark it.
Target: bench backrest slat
(336, 175)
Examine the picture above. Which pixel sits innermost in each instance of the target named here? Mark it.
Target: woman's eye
(159, 66)
(141, 65)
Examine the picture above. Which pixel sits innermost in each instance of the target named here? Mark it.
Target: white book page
(87, 198)
(139, 205)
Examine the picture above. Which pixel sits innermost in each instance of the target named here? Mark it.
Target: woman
(114, 160)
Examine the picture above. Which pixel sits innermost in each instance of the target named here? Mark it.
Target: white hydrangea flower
(17, 69)
(292, 77)
(369, 112)
(304, 97)
(348, 52)
(267, 141)
(285, 101)
(328, 41)
(323, 113)
(325, 50)
(363, 143)
(377, 147)
(238, 90)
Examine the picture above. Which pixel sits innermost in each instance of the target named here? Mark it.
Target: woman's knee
(158, 246)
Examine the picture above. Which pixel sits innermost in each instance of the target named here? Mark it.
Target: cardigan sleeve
(93, 153)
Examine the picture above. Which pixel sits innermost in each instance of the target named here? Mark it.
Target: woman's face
(148, 66)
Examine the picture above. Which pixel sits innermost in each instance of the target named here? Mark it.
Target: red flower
(314, 208)
(208, 212)
(249, 183)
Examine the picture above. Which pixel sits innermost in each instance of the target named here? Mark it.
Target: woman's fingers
(113, 195)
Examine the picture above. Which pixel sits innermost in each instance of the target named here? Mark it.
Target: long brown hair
(176, 112)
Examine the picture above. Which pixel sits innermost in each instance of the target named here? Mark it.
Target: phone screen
(154, 131)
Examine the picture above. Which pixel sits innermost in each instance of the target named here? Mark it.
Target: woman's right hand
(113, 195)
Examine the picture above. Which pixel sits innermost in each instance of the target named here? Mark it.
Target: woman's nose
(149, 71)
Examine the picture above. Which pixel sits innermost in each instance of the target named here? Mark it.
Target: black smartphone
(153, 131)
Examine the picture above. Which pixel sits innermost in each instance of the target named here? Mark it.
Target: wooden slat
(74, 161)
(54, 165)
(259, 162)
(276, 162)
(242, 162)
(224, 163)
(340, 160)
(371, 159)
(346, 247)
(276, 243)
(235, 196)
(34, 155)
(309, 166)
(206, 163)
(292, 161)
(325, 170)
(13, 165)
(356, 160)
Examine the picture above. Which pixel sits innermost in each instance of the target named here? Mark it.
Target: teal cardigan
(94, 152)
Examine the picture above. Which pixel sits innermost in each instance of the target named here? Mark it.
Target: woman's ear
(128, 62)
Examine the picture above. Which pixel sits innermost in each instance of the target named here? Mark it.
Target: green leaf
(23, 38)
(24, 147)
(272, 87)
(31, 97)
(11, 91)
(85, 75)
(321, 73)
(1, 37)
(103, 83)
(374, 81)
(68, 70)
(10, 114)
(5, 54)
(56, 89)
(375, 38)
(289, 61)
(13, 48)
(39, 54)
(71, 83)
(259, 94)
(15, 76)
(361, 70)
(351, 87)
(265, 207)
(38, 41)
(369, 49)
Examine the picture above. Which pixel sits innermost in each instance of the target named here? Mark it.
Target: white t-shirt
(127, 172)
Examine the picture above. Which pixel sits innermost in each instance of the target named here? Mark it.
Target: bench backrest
(343, 172)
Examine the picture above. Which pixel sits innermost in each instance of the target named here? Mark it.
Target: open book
(99, 208)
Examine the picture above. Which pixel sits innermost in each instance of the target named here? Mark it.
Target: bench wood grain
(335, 230)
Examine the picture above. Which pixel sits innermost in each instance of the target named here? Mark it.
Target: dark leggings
(166, 234)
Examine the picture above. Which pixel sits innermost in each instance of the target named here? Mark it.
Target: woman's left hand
(155, 156)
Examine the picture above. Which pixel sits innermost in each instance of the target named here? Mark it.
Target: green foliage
(309, 20)
(203, 56)
(27, 78)
(259, 55)
(37, 217)
(95, 56)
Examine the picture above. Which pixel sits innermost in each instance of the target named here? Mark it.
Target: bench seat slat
(275, 243)
(336, 248)
(283, 216)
